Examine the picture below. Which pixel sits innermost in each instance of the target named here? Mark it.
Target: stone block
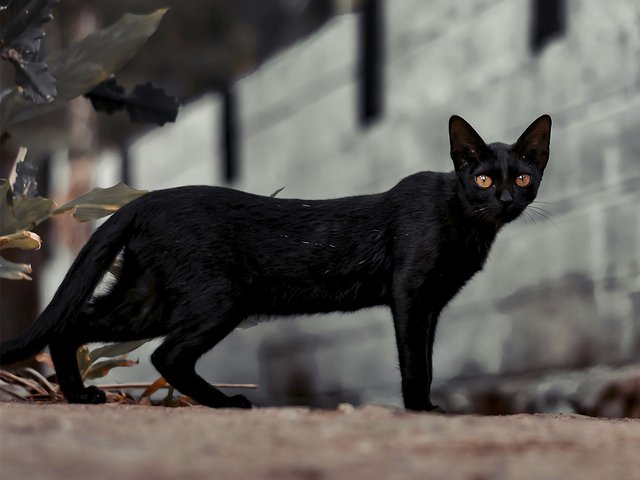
(306, 70)
(622, 241)
(182, 153)
(470, 342)
(557, 332)
(629, 139)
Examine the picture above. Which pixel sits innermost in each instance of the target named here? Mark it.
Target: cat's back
(198, 200)
(426, 183)
(209, 212)
(423, 194)
(196, 196)
(208, 200)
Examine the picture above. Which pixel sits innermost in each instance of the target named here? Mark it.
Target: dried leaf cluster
(28, 384)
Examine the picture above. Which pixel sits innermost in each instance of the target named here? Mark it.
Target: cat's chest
(466, 248)
(454, 267)
(451, 257)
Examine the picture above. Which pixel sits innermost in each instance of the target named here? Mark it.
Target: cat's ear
(533, 144)
(466, 145)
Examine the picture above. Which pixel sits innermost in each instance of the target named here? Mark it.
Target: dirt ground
(59, 441)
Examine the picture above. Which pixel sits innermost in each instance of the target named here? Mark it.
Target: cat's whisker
(533, 218)
(540, 209)
(482, 213)
(529, 217)
(544, 214)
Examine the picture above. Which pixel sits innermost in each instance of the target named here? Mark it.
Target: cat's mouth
(498, 215)
(508, 213)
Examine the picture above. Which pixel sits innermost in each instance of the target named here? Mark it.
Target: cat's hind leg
(96, 322)
(63, 354)
(175, 359)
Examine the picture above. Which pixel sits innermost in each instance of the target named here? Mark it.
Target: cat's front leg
(415, 325)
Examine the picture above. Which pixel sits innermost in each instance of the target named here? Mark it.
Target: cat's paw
(435, 409)
(429, 407)
(239, 401)
(92, 395)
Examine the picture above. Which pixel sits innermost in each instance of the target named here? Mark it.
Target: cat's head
(498, 181)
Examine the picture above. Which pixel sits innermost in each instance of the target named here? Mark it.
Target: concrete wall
(562, 292)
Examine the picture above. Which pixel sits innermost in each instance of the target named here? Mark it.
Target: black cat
(198, 260)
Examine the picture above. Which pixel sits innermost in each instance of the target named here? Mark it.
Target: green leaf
(101, 369)
(21, 213)
(23, 240)
(85, 64)
(30, 211)
(100, 202)
(14, 271)
(115, 350)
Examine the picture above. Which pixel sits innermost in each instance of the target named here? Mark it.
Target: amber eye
(483, 181)
(523, 180)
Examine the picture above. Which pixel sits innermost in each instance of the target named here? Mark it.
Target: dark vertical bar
(229, 134)
(44, 175)
(45, 189)
(548, 20)
(125, 163)
(371, 61)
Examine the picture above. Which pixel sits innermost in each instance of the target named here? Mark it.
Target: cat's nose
(506, 198)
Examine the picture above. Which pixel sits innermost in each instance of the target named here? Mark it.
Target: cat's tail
(78, 285)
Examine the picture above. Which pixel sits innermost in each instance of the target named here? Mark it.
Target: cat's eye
(523, 180)
(483, 181)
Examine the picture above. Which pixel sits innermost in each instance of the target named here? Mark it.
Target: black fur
(198, 260)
